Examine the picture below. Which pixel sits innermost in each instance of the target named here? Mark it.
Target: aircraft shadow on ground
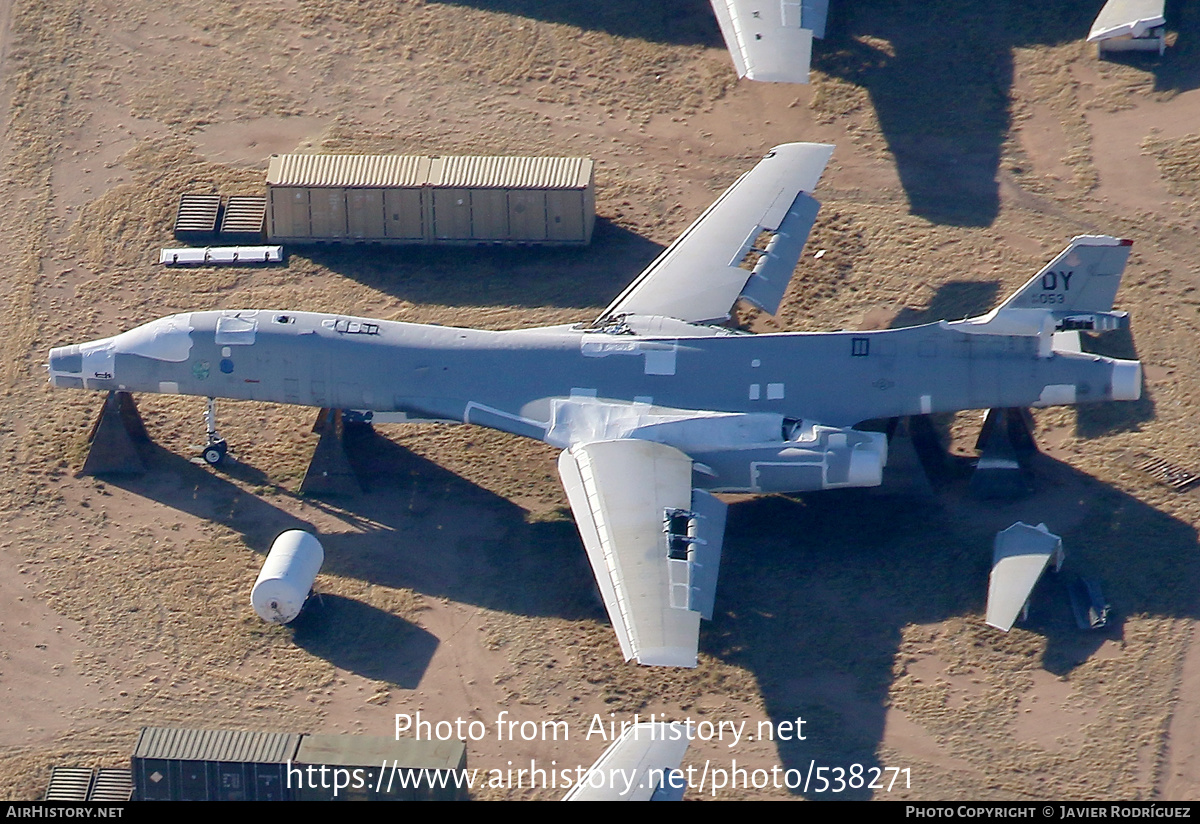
(439, 534)
(816, 592)
(939, 74)
(680, 22)
(1178, 69)
(499, 275)
(364, 640)
(175, 481)
(400, 532)
(939, 79)
(955, 300)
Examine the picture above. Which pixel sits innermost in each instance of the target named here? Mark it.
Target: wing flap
(709, 533)
(773, 271)
(655, 559)
(699, 277)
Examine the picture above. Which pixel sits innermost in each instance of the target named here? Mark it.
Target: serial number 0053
(857, 777)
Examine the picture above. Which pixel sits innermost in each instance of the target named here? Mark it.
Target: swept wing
(700, 276)
(654, 543)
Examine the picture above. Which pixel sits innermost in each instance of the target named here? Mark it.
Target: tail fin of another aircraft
(1083, 278)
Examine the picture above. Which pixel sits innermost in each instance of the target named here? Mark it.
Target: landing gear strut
(214, 445)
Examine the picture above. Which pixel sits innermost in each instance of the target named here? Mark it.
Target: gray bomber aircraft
(655, 404)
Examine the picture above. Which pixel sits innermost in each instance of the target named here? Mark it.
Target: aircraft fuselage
(509, 380)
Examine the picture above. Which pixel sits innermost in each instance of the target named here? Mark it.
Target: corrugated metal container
(112, 784)
(412, 770)
(417, 199)
(224, 765)
(211, 765)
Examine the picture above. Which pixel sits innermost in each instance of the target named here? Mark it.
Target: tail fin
(1075, 291)
(1083, 278)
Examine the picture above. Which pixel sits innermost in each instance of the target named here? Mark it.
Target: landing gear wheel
(214, 453)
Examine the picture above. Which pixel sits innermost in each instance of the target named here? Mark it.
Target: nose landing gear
(215, 447)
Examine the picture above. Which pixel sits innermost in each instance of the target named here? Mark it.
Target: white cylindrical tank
(287, 576)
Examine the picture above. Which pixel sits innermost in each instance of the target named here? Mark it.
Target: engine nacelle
(813, 458)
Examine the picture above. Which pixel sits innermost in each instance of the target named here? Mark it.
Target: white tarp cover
(213, 255)
(1120, 18)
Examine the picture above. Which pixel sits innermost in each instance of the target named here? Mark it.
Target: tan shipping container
(404, 218)
(451, 214)
(364, 213)
(418, 199)
(287, 212)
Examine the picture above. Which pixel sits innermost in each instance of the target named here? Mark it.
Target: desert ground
(973, 141)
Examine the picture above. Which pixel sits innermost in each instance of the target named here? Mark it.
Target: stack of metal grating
(244, 219)
(82, 784)
(197, 217)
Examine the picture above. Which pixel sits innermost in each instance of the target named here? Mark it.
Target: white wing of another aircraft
(767, 211)
(771, 40)
(1121, 18)
(641, 765)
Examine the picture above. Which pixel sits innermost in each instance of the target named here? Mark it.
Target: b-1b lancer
(654, 403)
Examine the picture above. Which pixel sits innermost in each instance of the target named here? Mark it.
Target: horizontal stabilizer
(1022, 553)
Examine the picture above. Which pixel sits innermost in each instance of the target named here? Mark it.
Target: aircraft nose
(83, 366)
(66, 366)
(66, 359)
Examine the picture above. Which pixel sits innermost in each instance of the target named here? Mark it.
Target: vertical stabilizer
(1083, 278)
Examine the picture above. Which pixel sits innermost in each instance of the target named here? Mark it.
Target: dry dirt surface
(973, 140)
